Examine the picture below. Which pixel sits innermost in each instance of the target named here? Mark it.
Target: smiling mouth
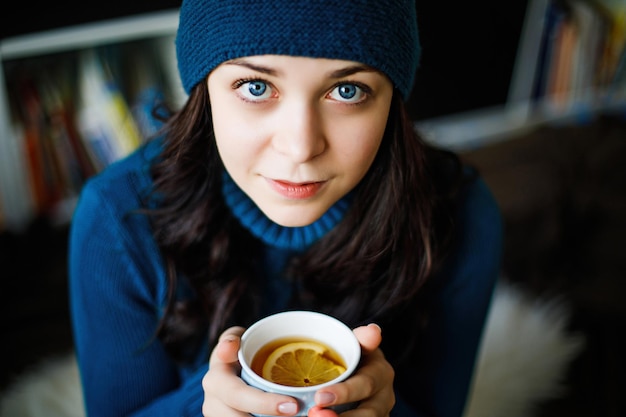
(296, 191)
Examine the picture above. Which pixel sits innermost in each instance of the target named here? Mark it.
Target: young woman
(291, 179)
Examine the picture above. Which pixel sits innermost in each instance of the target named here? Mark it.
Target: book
(561, 63)
(30, 114)
(555, 15)
(104, 118)
(581, 51)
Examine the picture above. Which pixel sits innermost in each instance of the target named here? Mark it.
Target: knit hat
(378, 33)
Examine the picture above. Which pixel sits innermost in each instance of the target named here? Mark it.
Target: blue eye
(347, 93)
(254, 90)
(257, 88)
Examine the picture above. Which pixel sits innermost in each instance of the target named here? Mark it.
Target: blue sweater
(118, 290)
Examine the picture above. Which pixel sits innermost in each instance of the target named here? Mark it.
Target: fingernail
(376, 325)
(325, 398)
(287, 408)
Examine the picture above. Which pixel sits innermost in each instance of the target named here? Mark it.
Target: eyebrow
(340, 73)
(345, 72)
(250, 65)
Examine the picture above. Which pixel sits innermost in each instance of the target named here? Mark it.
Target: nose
(299, 132)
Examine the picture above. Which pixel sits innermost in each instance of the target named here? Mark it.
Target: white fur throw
(51, 389)
(525, 353)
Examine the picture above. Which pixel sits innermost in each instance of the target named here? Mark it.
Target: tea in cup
(296, 353)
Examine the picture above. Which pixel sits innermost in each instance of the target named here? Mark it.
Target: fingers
(373, 376)
(363, 383)
(227, 346)
(318, 411)
(226, 394)
(379, 404)
(369, 336)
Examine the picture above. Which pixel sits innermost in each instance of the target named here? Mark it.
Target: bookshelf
(54, 86)
(570, 67)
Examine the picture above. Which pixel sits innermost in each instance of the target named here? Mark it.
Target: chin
(294, 216)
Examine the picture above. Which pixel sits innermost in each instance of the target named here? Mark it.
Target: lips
(296, 191)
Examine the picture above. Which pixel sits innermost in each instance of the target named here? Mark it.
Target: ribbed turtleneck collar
(291, 238)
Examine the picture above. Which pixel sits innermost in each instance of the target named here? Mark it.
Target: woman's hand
(227, 395)
(371, 385)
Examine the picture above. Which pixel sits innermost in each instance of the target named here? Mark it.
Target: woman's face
(297, 134)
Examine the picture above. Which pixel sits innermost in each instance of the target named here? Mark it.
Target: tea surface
(297, 361)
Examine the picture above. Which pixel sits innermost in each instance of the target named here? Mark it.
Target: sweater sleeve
(116, 289)
(438, 380)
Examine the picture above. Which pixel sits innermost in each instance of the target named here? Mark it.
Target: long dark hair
(369, 268)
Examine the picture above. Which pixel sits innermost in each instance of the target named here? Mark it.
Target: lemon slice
(301, 364)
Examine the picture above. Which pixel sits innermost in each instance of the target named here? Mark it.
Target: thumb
(228, 345)
(369, 336)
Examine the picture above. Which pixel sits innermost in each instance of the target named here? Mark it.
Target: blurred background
(531, 92)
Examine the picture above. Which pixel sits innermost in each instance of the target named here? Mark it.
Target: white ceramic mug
(307, 325)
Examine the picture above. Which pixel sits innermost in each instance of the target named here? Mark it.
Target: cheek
(373, 134)
(222, 135)
(239, 143)
(233, 127)
(228, 141)
(227, 126)
(360, 147)
(225, 119)
(365, 153)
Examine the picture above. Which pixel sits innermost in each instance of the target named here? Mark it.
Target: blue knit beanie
(378, 33)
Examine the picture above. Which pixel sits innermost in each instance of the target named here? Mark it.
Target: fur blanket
(525, 353)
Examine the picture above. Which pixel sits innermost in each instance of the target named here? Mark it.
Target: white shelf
(90, 34)
(526, 69)
(471, 130)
